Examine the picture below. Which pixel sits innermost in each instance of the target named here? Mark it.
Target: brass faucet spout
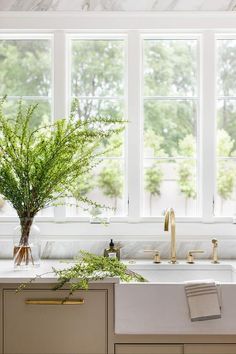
(170, 218)
(166, 222)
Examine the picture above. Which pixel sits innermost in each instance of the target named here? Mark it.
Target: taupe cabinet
(35, 322)
(210, 349)
(175, 349)
(149, 349)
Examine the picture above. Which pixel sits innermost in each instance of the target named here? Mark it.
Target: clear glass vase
(26, 245)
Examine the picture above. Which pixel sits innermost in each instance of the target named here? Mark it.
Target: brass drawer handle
(55, 302)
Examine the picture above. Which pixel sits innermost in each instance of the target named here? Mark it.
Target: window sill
(124, 220)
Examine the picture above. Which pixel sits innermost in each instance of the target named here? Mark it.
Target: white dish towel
(203, 300)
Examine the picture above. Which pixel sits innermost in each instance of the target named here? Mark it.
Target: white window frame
(62, 25)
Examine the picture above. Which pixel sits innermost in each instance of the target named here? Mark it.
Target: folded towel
(203, 300)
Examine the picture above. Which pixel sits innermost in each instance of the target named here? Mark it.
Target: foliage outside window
(97, 81)
(170, 126)
(170, 175)
(226, 128)
(26, 73)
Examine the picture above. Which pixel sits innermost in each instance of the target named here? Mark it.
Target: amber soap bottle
(112, 251)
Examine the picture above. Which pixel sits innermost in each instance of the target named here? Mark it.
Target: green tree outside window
(187, 169)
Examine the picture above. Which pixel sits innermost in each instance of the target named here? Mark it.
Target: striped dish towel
(203, 300)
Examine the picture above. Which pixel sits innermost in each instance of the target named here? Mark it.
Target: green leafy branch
(87, 268)
(40, 167)
(90, 267)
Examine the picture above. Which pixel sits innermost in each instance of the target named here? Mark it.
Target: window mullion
(134, 126)
(208, 125)
(59, 94)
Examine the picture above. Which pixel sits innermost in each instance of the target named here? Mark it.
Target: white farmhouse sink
(180, 272)
(160, 306)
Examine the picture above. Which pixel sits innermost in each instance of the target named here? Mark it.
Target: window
(26, 74)
(97, 81)
(170, 89)
(226, 128)
(172, 77)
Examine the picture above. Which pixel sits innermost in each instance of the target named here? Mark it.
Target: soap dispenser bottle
(112, 251)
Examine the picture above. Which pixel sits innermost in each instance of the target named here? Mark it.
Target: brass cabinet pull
(54, 302)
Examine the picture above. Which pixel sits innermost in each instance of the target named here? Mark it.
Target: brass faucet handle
(215, 252)
(156, 257)
(190, 257)
(214, 242)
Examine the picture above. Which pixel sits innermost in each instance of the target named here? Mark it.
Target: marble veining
(61, 249)
(117, 5)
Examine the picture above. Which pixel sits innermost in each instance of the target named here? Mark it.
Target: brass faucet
(170, 218)
(190, 257)
(156, 255)
(215, 251)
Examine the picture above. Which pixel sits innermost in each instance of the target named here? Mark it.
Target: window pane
(226, 128)
(226, 188)
(41, 117)
(105, 185)
(42, 114)
(104, 109)
(170, 67)
(97, 68)
(226, 67)
(6, 209)
(170, 126)
(101, 108)
(26, 71)
(25, 67)
(167, 124)
(170, 183)
(97, 81)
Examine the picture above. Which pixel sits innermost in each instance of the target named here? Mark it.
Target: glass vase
(26, 245)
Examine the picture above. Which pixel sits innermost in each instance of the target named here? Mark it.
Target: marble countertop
(45, 274)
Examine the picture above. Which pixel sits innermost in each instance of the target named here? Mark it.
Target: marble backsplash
(117, 5)
(65, 249)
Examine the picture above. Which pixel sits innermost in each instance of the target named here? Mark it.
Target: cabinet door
(210, 349)
(148, 349)
(36, 322)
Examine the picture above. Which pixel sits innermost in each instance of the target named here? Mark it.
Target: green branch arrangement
(89, 267)
(40, 167)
